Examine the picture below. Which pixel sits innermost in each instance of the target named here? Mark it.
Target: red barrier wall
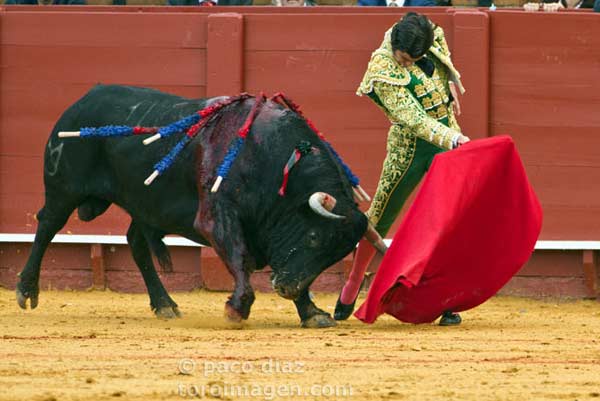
(529, 75)
(545, 92)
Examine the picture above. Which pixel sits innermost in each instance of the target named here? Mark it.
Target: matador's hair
(413, 34)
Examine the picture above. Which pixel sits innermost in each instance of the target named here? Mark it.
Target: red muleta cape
(472, 226)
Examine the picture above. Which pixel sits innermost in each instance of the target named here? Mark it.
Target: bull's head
(304, 219)
(334, 230)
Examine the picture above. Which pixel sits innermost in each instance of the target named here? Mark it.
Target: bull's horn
(374, 238)
(322, 204)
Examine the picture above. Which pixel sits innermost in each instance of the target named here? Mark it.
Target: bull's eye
(312, 239)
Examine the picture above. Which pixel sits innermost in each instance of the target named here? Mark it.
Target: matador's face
(404, 59)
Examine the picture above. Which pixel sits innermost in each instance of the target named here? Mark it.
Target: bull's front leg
(237, 308)
(225, 235)
(310, 315)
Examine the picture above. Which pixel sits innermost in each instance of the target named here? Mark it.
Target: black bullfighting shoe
(343, 311)
(450, 319)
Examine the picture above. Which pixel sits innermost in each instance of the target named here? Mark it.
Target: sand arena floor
(105, 346)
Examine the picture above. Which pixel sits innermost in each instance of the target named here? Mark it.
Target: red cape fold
(472, 226)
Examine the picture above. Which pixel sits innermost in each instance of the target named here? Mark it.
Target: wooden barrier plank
(545, 95)
(565, 186)
(225, 59)
(30, 177)
(134, 66)
(553, 263)
(556, 111)
(552, 273)
(288, 32)
(544, 82)
(98, 266)
(545, 145)
(471, 58)
(149, 31)
(185, 259)
(306, 70)
(542, 287)
(17, 210)
(565, 222)
(132, 282)
(510, 28)
(591, 273)
(57, 256)
(42, 97)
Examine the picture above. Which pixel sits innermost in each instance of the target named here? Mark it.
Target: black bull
(247, 222)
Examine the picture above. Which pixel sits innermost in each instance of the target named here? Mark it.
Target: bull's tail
(160, 250)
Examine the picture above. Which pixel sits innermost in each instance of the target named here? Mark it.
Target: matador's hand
(552, 7)
(455, 102)
(531, 7)
(462, 140)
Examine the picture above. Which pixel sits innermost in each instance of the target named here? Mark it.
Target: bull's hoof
(450, 319)
(319, 322)
(232, 315)
(23, 297)
(167, 312)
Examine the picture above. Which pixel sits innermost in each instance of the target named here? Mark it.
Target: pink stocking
(362, 258)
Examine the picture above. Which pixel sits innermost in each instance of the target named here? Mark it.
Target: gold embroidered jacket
(417, 105)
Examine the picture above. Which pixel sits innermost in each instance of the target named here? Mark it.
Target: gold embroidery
(400, 153)
(384, 68)
(417, 72)
(404, 109)
(413, 114)
(427, 103)
(439, 113)
(442, 112)
(429, 84)
(420, 90)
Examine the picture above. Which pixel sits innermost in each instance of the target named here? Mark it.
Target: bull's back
(127, 105)
(114, 169)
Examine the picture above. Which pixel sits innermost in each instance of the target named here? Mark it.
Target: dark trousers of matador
(402, 171)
